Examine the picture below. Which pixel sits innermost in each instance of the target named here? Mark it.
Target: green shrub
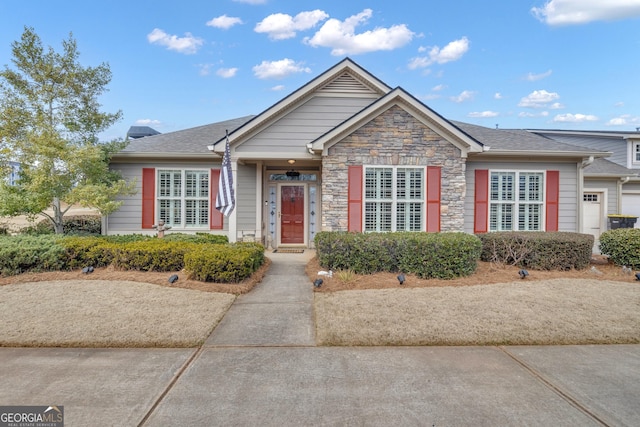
(152, 255)
(230, 263)
(21, 254)
(538, 250)
(197, 238)
(72, 224)
(439, 255)
(428, 255)
(82, 251)
(622, 245)
(82, 224)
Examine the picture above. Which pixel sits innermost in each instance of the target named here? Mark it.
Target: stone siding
(393, 138)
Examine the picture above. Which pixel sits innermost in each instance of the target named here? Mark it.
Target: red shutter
(552, 198)
(355, 198)
(216, 217)
(148, 197)
(481, 208)
(433, 198)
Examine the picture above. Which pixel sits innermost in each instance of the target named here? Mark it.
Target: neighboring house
(14, 172)
(136, 132)
(347, 152)
(611, 186)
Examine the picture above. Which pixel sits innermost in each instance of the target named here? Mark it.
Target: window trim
(516, 203)
(394, 201)
(183, 198)
(635, 153)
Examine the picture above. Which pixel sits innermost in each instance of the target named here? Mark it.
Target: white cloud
(575, 118)
(341, 36)
(277, 88)
(279, 69)
(465, 95)
(226, 73)
(483, 114)
(438, 88)
(224, 22)
(556, 106)
(451, 52)
(535, 77)
(497, 95)
(148, 122)
(624, 120)
(251, 1)
(187, 44)
(281, 26)
(205, 69)
(569, 12)
(529, 115)
(619, 104)
(538, 99)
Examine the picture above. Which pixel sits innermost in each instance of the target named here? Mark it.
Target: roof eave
(543, 153)
(159, 155)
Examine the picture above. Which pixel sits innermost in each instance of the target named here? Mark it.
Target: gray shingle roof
(604, 167)
(136, 132)
(516, 140)
(188, 141)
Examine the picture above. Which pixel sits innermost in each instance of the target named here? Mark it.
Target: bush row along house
(347, 152)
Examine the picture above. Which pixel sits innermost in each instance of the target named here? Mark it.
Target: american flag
(226, 199)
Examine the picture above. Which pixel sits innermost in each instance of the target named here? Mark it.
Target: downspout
(580, 211)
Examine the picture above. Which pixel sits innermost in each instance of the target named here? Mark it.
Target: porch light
(292, 173)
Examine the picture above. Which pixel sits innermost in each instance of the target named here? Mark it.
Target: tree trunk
(58, 225)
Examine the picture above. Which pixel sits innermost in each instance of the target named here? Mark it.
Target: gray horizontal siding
(246, 198)
(617, 146)
(304, 124)
(128, 219)
(612, 192)
(567, 209)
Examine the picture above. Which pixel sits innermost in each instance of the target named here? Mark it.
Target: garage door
(631, 205)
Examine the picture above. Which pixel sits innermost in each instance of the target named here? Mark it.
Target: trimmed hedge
(224, 263)
(197, 238)
(427, 255)
(39, 253)
(622, 245)
(152, 255)
(538, 250)
(21, 254)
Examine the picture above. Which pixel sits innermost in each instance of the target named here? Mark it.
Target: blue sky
(561, 64)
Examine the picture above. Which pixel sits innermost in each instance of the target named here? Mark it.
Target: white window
(394, 199)
(517, 200)
(636, 152)
(183, 198)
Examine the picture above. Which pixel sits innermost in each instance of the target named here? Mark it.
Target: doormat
(289, 251)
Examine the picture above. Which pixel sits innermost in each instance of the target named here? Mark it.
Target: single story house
(348, 152)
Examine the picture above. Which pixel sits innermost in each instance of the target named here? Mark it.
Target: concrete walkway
(261, 367)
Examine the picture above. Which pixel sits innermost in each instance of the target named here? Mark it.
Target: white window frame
(506, 206)
(382, 207)
(182, 206)
(635, 153)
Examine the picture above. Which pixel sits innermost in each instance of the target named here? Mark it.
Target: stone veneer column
(393, 138)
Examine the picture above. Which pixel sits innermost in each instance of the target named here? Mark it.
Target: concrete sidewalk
(261, 367)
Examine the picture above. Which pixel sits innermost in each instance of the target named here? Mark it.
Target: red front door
(292, 218)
